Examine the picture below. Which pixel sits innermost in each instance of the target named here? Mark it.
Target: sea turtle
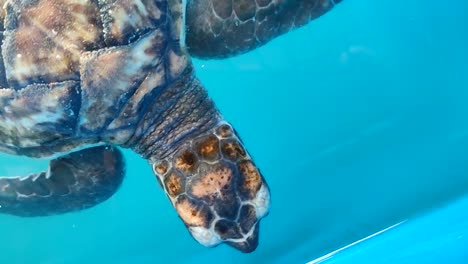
(81, 78)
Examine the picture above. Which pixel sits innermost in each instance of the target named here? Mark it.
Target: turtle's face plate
(216, 189)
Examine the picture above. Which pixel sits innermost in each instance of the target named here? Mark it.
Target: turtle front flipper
(223, 28)
(73, 182)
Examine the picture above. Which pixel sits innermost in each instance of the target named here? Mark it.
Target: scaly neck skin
(182, 111)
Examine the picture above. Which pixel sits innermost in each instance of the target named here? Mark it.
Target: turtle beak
(248, 245)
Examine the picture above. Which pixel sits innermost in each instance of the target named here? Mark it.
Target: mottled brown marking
(186, 161)
(212, 182)
(38, 57)
(129, 117)
(46, 38)
(124, 20)
(174, 184)
(192, 213)
(232, 150)
(75, 22)
(208, 148)
(177, 62)
(251, 180)
(161, 167)
(110, 76)
(104, 66)
(38, 115)
(224, 131)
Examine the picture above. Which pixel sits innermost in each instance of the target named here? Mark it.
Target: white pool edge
(331, 254)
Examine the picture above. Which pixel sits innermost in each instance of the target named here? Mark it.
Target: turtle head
(216, 189)
(202, 165)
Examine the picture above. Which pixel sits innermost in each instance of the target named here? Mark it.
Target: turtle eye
(216, 189)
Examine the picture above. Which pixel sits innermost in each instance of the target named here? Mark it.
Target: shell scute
(44, 39)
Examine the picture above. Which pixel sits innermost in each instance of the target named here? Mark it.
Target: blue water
(437, 237)
(357, 121)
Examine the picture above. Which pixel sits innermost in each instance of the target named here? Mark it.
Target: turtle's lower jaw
(216, 189)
